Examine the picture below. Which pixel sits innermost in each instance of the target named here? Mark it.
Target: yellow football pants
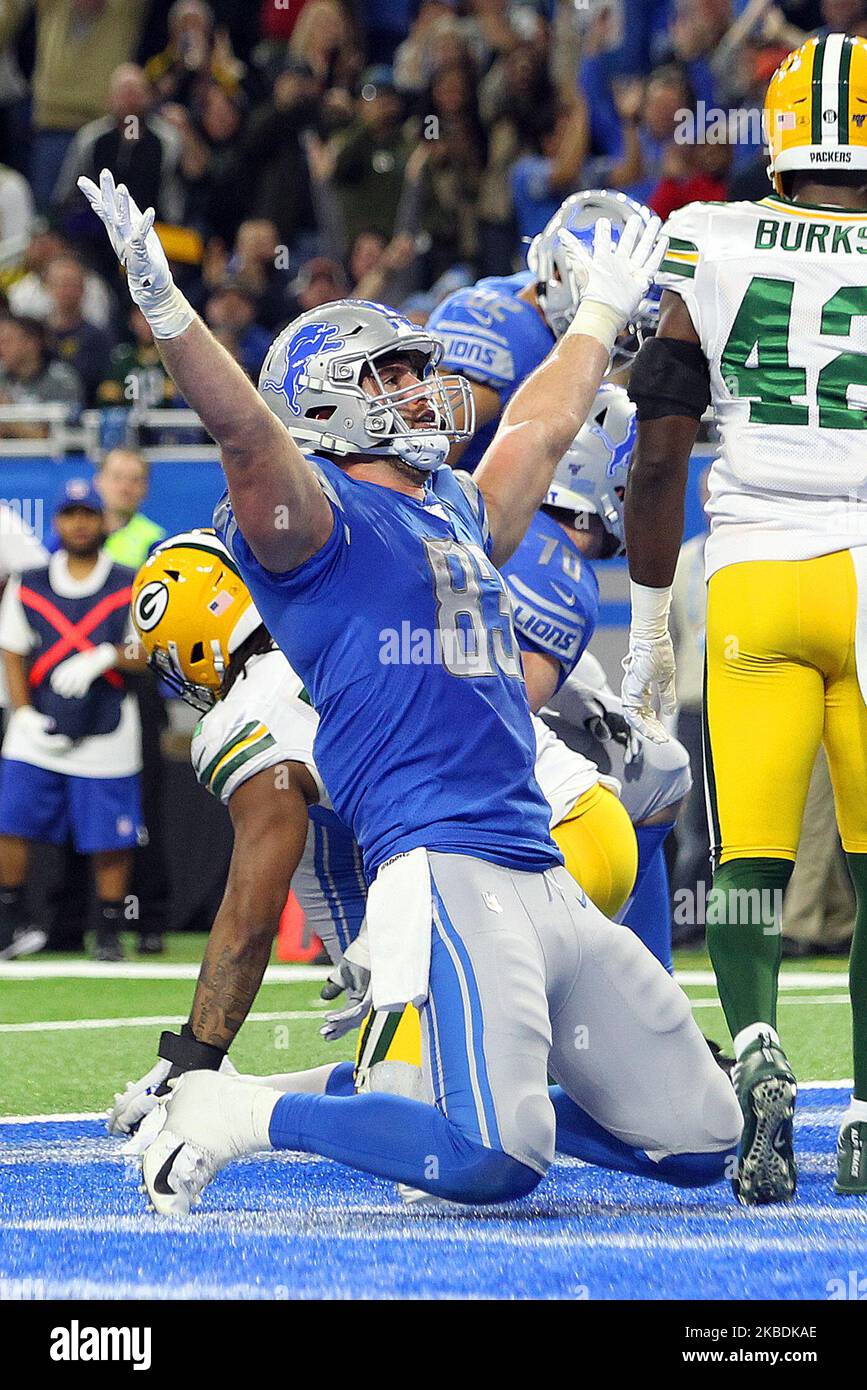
(781, 678)
(598, 844)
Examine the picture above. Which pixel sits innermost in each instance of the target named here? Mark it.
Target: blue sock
(399, 1139)
(581, 1137)
(649, 913)
(341, 1082)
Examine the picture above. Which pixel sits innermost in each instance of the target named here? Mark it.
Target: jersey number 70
(761, 332)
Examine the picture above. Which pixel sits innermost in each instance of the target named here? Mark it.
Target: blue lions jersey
(555, 594)
(493, 337)
(401, 629)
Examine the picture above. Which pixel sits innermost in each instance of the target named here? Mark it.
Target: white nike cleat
(414, 1197)
(210, 1120)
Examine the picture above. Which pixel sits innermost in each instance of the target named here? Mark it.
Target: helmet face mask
(192, 610)
(314, 380)
(558, 291)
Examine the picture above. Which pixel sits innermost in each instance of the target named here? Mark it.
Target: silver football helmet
(591, 475)
(559, 295)
(312, 376)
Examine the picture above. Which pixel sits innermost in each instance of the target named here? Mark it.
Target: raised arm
(547, 411)
(276, 498)
(671, 387)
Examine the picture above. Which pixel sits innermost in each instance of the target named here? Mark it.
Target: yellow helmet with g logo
(816, 108)
(192, 610)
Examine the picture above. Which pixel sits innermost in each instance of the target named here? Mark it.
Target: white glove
(649, 663)
(337, 1024)
(352, 971)
(139, 1099)
(38, 730)
(73, 677)
(612, 284)
(139, 250)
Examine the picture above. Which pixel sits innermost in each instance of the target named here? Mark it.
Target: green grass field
(46, 1069)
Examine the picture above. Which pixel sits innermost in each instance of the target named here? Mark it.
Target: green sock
(858, 973)
(744, 909)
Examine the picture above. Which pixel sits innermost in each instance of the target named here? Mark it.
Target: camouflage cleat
(766, 1089)
(852, 1158)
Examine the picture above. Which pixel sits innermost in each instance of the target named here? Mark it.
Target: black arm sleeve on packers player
(669, 377)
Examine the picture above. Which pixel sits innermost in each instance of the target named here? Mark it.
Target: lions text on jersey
(555, 594)
(492, 337)
(401, 629)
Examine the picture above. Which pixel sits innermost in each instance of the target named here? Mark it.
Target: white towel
(859, 561)
(399, 912)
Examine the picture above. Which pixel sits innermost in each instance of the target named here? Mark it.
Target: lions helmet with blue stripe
(558, 293)
(591, 475)
(313, 374)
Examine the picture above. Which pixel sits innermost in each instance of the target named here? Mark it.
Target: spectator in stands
(71, 755)
(844, 16)
(323, 39)
(419, 57)
(29, 375)
(136, 375)
(122, 481)
(274, 159)
(261, 263)
(16, 214)
(540, 182)
(140, 148)
(196, 56)
(231, 310)
(691, 174)
(453, 155)
(14, 97)
(318, 282)
(28, 296)
(211, 168)
(75, 340)
(79, 44)
(371, 156)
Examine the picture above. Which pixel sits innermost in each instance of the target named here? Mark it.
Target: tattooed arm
(269, 815)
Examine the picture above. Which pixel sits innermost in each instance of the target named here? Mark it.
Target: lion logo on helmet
(310, 340)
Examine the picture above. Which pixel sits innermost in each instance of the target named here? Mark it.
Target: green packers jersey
(777, 292)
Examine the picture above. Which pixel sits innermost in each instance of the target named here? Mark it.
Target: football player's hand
(616, 276)
(139, 250)
(607, 725)
(338, 1024)
(648, 673)
(137, 1100)
(73, 677)
(141, 1098)
(38, 729)
(349, 976)
(130, 231)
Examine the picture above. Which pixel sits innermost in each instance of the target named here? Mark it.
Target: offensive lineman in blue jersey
(555, 598)
(496, 333)
(470, 914)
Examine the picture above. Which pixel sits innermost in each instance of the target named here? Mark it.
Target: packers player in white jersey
(765, 316)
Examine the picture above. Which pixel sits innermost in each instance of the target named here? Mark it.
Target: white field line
(141, 970)
(73, 1116)
(283, 974)
(784, 1003)
(463, 1228)
(70, 1025)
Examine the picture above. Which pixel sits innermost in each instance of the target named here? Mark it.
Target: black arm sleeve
(670, 377)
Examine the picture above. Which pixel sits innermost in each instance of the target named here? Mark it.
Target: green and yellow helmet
(815, 113)
(192, 610)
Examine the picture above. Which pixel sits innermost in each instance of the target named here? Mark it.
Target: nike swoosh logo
(570, 599)
(161, 1184)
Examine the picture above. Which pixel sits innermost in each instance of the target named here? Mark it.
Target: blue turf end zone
(73, 1224)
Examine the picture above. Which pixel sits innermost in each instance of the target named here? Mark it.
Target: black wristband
(186, 1053)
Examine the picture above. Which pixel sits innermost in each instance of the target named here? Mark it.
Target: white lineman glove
(139, 1099)
(612, 284)
(73, 677)
(139, 250)
(649, 664)
(38, 730)
(336, 1025)
(352, 973)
